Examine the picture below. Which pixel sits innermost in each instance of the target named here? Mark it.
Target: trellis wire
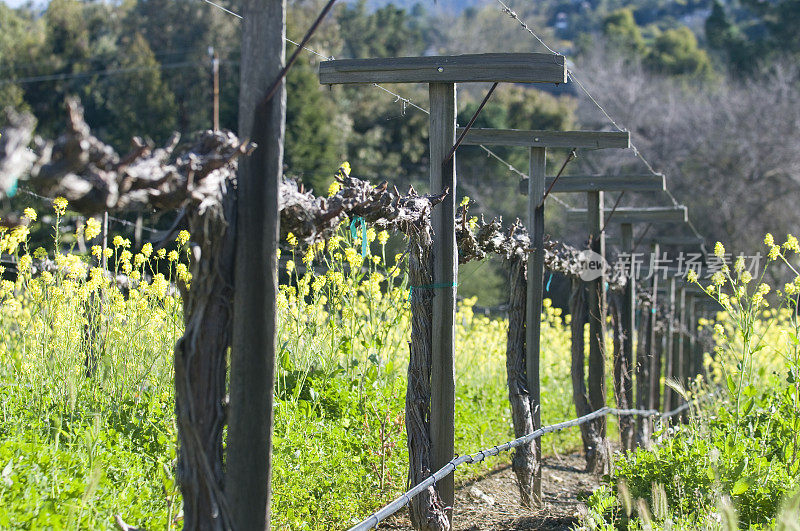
(405, 101)
(405, 498)
(571, 73)
(115, 219)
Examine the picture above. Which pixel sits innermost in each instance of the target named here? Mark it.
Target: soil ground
(491, 501)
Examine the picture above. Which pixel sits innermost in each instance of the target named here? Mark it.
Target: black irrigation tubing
(639, 240)
(300, 47)
(571, 156)
(470, 124)
(404, 499)
(611, 215)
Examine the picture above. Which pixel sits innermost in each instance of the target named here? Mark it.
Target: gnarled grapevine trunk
(593, 444)
(200, 370)
(525, 460)
(426, 510)
(643, 365)
(623, 384)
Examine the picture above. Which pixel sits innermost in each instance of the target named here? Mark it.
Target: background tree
(622, 32)
(675, 52)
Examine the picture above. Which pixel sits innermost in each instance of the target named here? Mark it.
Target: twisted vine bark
(524, 462)
(201, 358)
(426, 510)
(623, 383)
(643, 364)
(594, 446)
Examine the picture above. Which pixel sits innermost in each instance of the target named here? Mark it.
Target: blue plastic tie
(549, 280)
(354, 233)
(12, 190)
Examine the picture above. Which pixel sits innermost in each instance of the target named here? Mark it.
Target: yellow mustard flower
(161, 253)
(24, 263)
(769, 241)
(60, 205)
(30, 214)
(792, 243)
(719, 250)
(746, 277)
(172, 256)
(291, 239)
(691, 276)
(334, 188)
(183, 237)
(147, 250)
(92, 229)
(774, 252)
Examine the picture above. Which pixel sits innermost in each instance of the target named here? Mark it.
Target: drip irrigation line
(405, 498)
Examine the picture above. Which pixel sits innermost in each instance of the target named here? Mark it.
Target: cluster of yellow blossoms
(48, 308)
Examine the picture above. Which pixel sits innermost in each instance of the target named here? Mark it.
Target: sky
(17, 3)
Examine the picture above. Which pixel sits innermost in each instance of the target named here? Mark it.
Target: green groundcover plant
(87, 430)
(736, 462)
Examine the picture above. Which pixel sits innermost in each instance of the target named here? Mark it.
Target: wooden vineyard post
(624, 364)
(600, 461)
(534, 187)
(252, 365)
(654, 351)
(442, 74)
(680, 373)
(670, 397)
(533, 312)
(691, 326)
(445, 274)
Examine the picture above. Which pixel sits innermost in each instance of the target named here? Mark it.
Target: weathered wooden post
(601, 464)
(441, 74)
(252, 365)
(691, 325)
(673, 345)
(649, 363)
(538, 142)
(624, 367)
(680, 372)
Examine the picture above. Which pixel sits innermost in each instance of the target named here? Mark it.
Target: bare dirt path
(491, 501)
